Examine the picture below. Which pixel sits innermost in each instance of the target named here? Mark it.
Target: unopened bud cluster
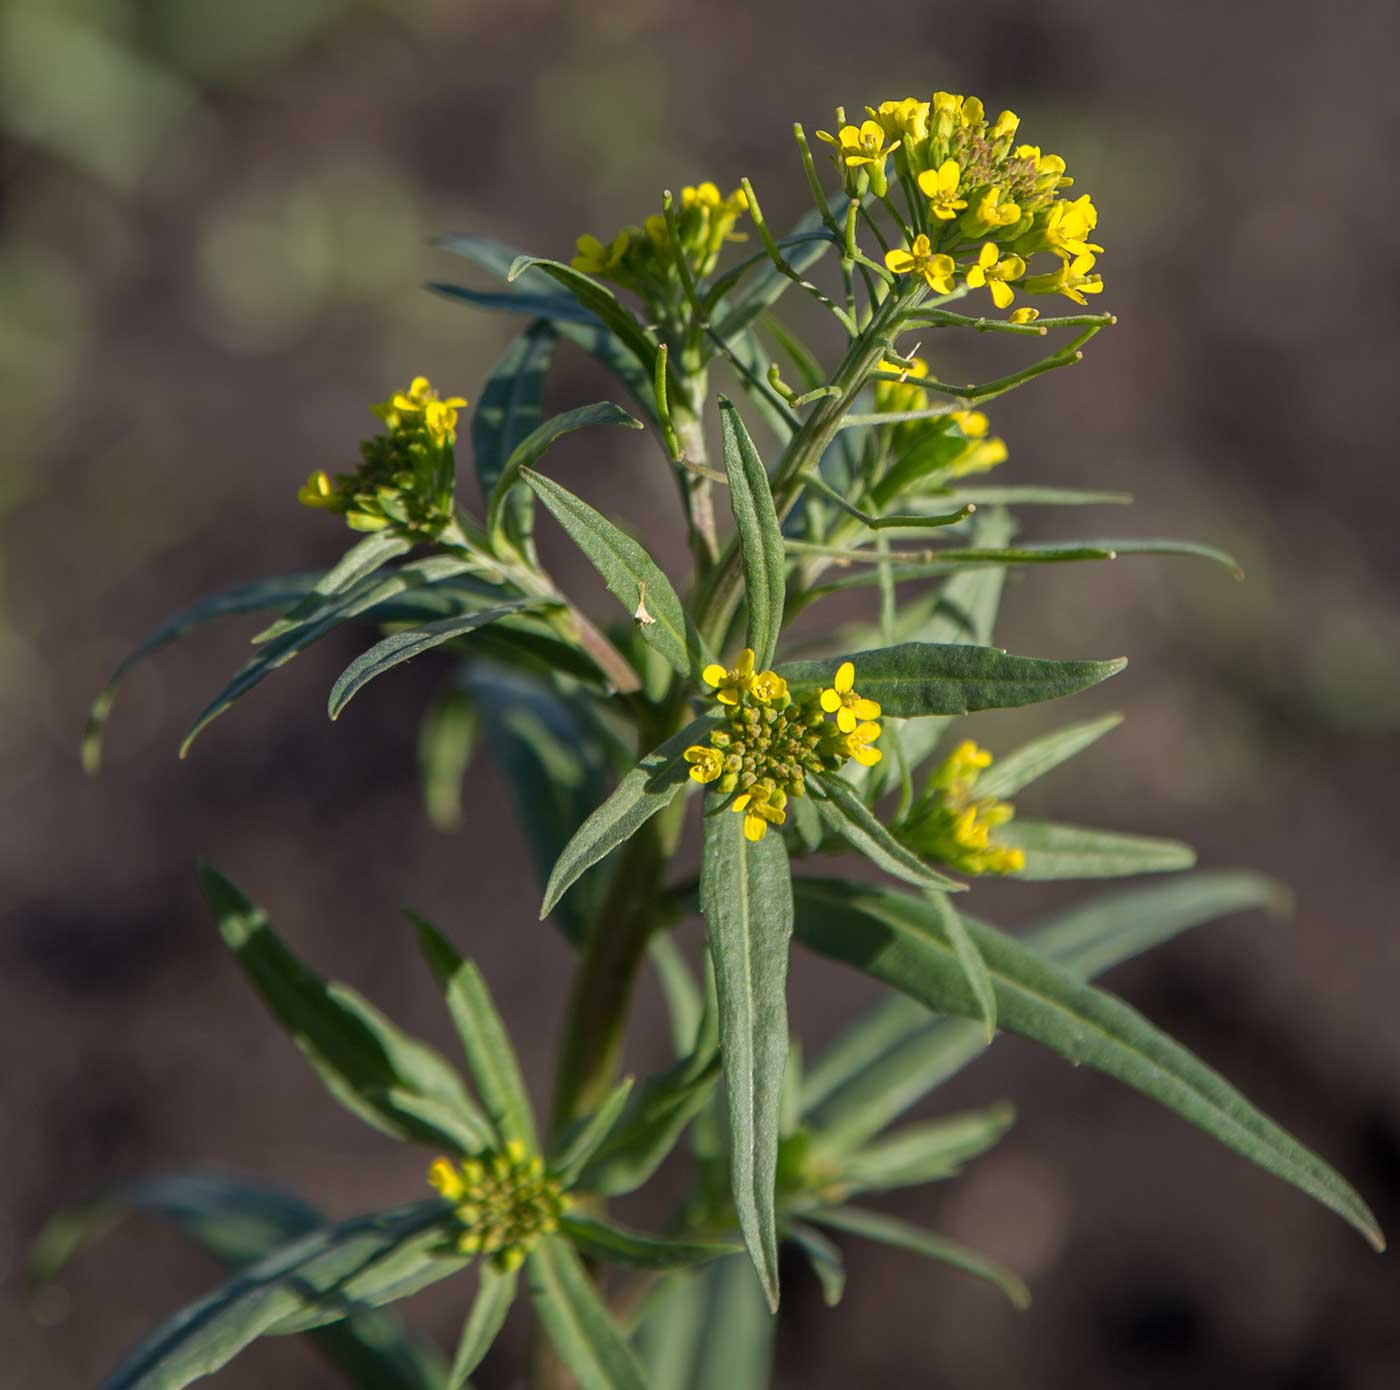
(505, 1200)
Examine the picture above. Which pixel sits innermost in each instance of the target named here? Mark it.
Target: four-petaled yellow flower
(769, 687)
(1072, 279)
(1068, 226)
(994, 272)
(706, 764)
(940, 187)
(1005, 126)
(731, 684)
(596, 258)
(864, 144)
(849, 707)
(860, 741)
(761, 806)
(420, 405)
(904, 118)
(920, 259)
(994, 209)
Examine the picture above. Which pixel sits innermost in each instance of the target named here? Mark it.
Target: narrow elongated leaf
(895, 1054)
(926, 1152)
(919, 678)
(579, 1326)
(553, 308)
(490, 1056)
(261, 596)
(366, 1062)
(848, 815)
(653, 784)
(685, 1006)
(510, 408)
(823, 1255)
(897, 939)
(969, 957)
(399, 647)
(890, 1230)
(530, 449)
(606, 1240)
(446, 741)
(1070, 851)
(760, 536)
(320, 1278)
(599, 300)
(494, 1295)
(363, 559)
(579, 1142)
(632, 576)
(1033, 760)
(746, 896)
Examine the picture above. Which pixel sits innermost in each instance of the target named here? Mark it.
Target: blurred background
(213, 230)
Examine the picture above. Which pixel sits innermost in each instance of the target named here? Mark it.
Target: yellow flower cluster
(982, 205)
(772, 743)
(505, 1202)
(956, 827)
(958, 453)
(405, 477)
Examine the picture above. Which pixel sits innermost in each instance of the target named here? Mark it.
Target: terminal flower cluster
(953, 825)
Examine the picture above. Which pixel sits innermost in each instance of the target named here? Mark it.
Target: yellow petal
(845, 677)
(846, 720)
(755, 828)
(713, 674)
(1002, 294)
(831, 701)
(899, 261)
(987, 256)
(976, 277)
(866, 709)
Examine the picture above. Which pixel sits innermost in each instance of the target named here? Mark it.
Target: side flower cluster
(964, 444)
(405, 477)
(772, 743)
(982, 204)
(953, 825)
(505, 1201)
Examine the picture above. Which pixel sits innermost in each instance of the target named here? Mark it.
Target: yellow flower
(892, 397)
(420, 407)
(841, 699)
(859, 744)
(769, 687)
(1072, 280)
(952, 826)
(991, 212)
(980, 456)
(855, 146)
(1049, 168)
(733, 683)
(907, 118)
(594, 258)
(940, 187)
(994, 273)
(318, 492)
(761, 806)
(443, 1176)
(937, 270)
(1026, 315)
(1068, 226)
(706, 764)
(1005, 126)
(973, 423)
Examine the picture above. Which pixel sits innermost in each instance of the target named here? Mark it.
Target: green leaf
(364, 558)
(447, 738)
(599, 300)
(685, 1007)
(553, 308)
(760, 536)
(848, 815)
(1070, 851)
(895, 1054)
(370, 1066)
(318, 1279)
(974, 968)
(897, 939)
(494, 1294)
(890, 1230)
(650, 786)
(572, 1150)
(261, 596)
(490, 1057)
(370, 592)
(1033, 760)
(823, 1255)
(579, 1326)
(605, 1240)
(746, 896)
(1031, 496)
(919, 678)
(926, 1152)
(632, 576)
(511, 406)
(399, 647)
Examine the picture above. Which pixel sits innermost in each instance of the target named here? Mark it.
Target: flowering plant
(798, 746)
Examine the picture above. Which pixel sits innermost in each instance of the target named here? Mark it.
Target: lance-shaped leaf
(530, 449)
(552, 307)
(653, 784)
(572, 1150)
(632, 576)
(920, 678)
(389, 1079)
(898, 939)
(760, 536)
(1070, 851)
(447, 738)
(1033, 760)
(240, 1222)
(579, 1325)
(926, 1152)
(890, 1230)
(489, 1054)
(823, 1255)
(399, 647)
(969, 957)
(606, 1240)
(895, 1053)
(746, 896)
(363, 559)
(510, 408)
(318, 1279)
(494, 1294)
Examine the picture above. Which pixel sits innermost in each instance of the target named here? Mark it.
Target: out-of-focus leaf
(1070, 851)
(760, 537)
(553, 308)
(1041, 755)
(390, 1080)
(446, 741)
(823, 1255)
(494, 1295)
(573, 1149)
(746, 896)
(897, 939)
(363, 559)
(605, 1240)
(926, 1152)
